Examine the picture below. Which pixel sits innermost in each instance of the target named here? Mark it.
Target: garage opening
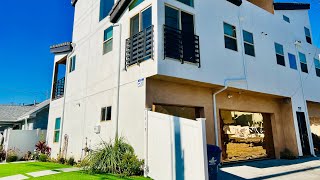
(187, 112)
(246, 136)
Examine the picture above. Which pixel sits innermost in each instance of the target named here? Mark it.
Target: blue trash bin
(214, 159)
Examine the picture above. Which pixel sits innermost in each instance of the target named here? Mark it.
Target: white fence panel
(176, 148)
(23, 141)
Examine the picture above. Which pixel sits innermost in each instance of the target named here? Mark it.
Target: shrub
(11, 155)
(287, 154)
(71, 161)
(2, 155)
(43, 148)
(115, 158)
(43, 158)
(61, 160)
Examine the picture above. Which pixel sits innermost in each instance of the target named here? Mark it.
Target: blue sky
(28, 28)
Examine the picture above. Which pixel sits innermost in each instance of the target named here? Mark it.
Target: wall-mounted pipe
(215, 113)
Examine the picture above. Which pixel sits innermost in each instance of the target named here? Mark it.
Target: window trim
(308, 36)
(316, 68)
(284, 58)
(56, 130)
(295, 58)
(248, 43)
(181, 10)
(286, 18)
(105, 119)
(140, 18)
(106, 41)
(72, 64)
(306, 63)
(226, 35)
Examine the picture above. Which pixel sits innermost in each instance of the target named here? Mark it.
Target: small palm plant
(115, 158)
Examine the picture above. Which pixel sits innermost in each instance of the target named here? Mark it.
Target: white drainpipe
(118, 81)
(215, 113)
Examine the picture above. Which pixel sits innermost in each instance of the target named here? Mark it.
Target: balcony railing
(139, 47)
(58, 89)
(180, 45)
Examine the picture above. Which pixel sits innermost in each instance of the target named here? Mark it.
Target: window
(317, 65)
(279, 54)
(105, 8)
(106, 113)
(303, 62)
(72, 65)
(172, 18)
(108, 40)
(187, 2)
(57, 130)
(308, 35)
(286, 18)
(134, 4)
(146, 21)
(292, 61)
(230, 37)
(248, 43)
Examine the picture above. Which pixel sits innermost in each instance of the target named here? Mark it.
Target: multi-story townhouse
(248, 66)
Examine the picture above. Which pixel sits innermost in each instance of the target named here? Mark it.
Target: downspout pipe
(215, 113)
(118, 81)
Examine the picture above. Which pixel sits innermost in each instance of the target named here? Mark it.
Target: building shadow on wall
(179, 152)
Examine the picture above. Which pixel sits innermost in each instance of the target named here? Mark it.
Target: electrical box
(97, 129)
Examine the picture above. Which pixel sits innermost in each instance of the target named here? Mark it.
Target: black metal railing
(180, 45)
(58, 88)
(139, 47)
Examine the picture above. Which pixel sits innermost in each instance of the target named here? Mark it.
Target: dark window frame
(105, 114)
(72, 64)
(286, 19)
(228, 38)
(317, 66)
(280, 57)
(57, 130)
(303, 65)
(307, 33)
(108, 41)
(295, 65)
(248, 44)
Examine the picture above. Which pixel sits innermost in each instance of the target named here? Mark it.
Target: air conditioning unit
(97, 129)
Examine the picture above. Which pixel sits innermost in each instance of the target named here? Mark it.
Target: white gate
(175, 148)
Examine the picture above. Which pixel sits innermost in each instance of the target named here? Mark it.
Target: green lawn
(22, 168)
(84, 176)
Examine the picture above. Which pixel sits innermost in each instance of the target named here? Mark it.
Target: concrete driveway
(300, 169)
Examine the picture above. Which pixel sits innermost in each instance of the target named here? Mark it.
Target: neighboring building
(248, 66)
(23, 126)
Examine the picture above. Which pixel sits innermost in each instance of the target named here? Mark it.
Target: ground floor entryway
(305, 168)
(246, 135)
(251, 125)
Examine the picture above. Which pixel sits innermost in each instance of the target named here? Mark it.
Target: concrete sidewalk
(306, 168)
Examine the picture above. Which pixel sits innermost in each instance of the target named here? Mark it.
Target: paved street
(307, 168)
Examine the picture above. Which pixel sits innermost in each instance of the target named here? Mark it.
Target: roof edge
(291, 6)
(118, 9)
(61, 48)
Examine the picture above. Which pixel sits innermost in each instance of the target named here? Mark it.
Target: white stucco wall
(93, 84)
